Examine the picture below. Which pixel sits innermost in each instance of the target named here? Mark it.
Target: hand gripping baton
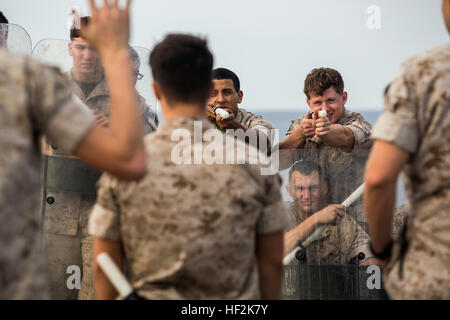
(116, 277)
(347, 202)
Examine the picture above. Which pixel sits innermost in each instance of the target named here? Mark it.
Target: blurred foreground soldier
(37, 100)
(67, 240)
(190, 231)
(339, 142)
(3, 30)
(413, 135)
(227, 94)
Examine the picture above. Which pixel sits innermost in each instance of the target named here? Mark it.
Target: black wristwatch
(386, 253)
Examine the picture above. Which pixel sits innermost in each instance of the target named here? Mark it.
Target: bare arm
(269, 252)
(104, 290)
(329, 215)
(120, 149)
(382, 170)
(334, 135)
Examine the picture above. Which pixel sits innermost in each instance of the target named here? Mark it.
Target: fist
(331, 215)
(322, 127)
(308, 125)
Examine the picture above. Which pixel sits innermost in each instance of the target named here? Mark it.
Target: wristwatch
(386, 253)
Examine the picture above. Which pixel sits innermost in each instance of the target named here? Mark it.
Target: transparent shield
(328, 257)
(83, 67)
(15, 38)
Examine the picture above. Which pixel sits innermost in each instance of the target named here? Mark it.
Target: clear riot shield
(14, 38)
(68, 186)
(332, 260)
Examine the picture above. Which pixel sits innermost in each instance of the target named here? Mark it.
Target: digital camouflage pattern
(34, 100)
(416, 119)
(182, 222)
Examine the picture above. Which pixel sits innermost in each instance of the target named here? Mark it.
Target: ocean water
(281, 120)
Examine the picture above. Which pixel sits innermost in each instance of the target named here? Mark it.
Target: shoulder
(252, 119)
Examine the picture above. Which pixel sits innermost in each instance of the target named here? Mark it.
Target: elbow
(378, 180)
(135, 168)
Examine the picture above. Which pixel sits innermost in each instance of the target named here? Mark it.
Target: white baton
(347, 202)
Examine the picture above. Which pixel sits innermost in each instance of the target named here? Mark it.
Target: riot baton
(347, 202)
(116, 277)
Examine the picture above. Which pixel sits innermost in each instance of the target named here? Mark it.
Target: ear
(324, 188)
(70, 49)
(156, 91)
(240, 96)
(289, 189)
(344, 97)
(308, 103)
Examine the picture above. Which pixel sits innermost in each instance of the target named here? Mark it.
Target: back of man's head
(223, 73)
(181, 66)
(3, 18)
(76, 33)
(321, 79)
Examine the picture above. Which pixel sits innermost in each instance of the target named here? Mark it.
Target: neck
(87, 77)
(176, 110)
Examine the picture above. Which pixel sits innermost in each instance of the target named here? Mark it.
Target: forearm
(104, 290)
(339, 137)
(299, 233)
(379, 203)
(269, 250)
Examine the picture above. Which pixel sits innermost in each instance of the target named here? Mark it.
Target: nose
(305, 194)
(89, 54)
(220, 98)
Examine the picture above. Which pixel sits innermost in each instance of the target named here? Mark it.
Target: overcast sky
(272, 45)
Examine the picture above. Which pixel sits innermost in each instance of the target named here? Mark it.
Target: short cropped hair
(321, 79)
(76, 33)
(306, 168)
(181, 65)
(3, 18)
(4, 23)
(223, 73)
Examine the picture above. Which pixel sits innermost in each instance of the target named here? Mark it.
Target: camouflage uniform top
(100, 101)
(255, 122)
(416, 119)
(336, 244)
(35, 100)
(344, 169)
(189, 231)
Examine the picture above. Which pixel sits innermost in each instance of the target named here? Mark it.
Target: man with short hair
(340, 243)
(342, 239)
(37, 100)
(227, 94)
(69, 187)
(191, 231)
(339, 142)
(3, 30)
(413, 135)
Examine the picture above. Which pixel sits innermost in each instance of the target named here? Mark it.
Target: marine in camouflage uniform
(342, 239)
(343, 166)
(69, 198)
(227, 94)
(35, 100)
(189, 231)
(416, 124)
